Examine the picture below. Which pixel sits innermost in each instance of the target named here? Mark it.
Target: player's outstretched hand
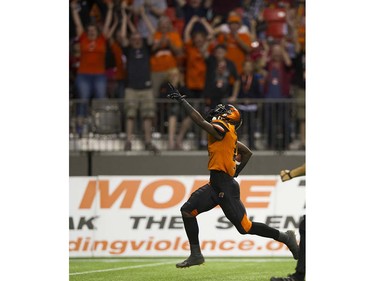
(285, 175)
(174, 94)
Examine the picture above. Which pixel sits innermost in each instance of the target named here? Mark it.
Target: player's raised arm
(193, 113)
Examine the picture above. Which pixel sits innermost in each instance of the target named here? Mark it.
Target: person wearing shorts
(141, 101)
(138, 93)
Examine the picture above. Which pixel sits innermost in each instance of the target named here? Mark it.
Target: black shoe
(292, 244)
(150, 147)
(291, 277)
(128, 146)
(190, 261)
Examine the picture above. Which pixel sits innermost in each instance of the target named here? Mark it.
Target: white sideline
(163, 263)
(121, 268)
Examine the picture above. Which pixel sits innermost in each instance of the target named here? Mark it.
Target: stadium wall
(173, 163)
(128, 204)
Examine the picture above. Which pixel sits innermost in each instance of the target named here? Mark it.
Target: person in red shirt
(277, 91)
(91, 81)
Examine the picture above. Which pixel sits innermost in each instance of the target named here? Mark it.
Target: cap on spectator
(234, 18)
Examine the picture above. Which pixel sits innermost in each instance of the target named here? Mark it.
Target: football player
(222, 189)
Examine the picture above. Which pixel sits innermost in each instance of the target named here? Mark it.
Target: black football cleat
(128, 146)
(291, 277)
(292, 244)
(190, 261)
(152, 148)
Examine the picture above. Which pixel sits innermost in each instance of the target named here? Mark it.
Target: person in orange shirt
(224, 151)
(238, 43)
(91, 79)
(196, 52)
(166, 50)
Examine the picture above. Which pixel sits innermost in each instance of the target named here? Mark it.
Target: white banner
(113, 216)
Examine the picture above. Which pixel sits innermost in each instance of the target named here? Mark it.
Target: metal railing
(100, 125)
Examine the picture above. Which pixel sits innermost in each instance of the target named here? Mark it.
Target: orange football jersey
(222, 153)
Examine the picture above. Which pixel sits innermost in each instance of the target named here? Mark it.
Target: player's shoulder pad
(220, 126)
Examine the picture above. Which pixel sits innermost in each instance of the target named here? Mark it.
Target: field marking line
(121, 268)
(223, 259)
(113, 260)
(246, 260)
(171, 262)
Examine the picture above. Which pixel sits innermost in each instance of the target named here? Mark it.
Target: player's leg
(100, 86)
(131, 107)
(288, 237)
(200, 201)
(83, 86)
(148, 108)
(234, 210)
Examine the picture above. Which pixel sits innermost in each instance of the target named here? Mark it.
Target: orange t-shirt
(92, 59)
(234, 51)
(117, 52)
(195, 67)
(164, 59)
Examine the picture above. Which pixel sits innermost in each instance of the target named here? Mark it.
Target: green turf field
(144, 269)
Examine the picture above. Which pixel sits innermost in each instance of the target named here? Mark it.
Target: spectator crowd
(218, 51)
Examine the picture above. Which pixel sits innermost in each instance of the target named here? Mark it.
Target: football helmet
(227, 112)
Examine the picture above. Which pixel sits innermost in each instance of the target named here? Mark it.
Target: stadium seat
(106, 117)
(274, 15)
(276, 29)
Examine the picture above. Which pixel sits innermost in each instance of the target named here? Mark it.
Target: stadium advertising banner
(118, 216)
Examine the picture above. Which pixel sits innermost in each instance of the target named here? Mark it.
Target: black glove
(174, 94)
